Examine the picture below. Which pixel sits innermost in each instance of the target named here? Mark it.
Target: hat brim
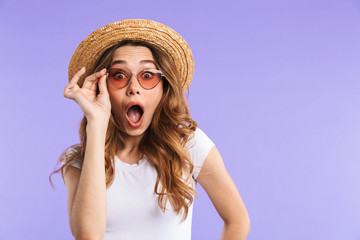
(166, 39)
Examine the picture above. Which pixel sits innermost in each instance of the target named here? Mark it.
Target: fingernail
(104, 70)
(83, 68)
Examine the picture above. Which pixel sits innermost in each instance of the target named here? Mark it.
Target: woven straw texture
(166, 39)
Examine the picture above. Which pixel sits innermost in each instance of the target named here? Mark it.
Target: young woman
(133, 175)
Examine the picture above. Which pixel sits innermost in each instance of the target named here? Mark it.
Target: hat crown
(165, 38)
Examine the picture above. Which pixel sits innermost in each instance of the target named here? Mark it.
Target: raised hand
(96, 108)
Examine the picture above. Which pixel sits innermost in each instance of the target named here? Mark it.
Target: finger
(77, 75)
(89, 81)
(102, 85)
(68, 94)
(95, 83)
(69, 91)
(73, 86)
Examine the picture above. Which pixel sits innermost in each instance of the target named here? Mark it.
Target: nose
(134, 86)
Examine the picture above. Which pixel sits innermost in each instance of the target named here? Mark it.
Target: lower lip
(135, 125)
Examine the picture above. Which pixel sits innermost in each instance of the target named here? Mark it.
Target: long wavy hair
(167, 152)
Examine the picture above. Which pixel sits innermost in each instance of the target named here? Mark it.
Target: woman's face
(134, 120)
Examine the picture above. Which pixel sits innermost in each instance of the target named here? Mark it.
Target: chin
(135, 132)
(130, 131)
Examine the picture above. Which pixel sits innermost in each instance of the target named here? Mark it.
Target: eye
(147, 74)
(120, 75)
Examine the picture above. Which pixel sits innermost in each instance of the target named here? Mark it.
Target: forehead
(132, 54)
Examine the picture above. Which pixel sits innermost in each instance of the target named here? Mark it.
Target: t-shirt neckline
(128, 165)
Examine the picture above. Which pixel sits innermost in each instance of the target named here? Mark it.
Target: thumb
(102, 85)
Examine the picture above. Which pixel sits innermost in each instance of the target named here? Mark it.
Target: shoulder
(198, 147)
(199, 142)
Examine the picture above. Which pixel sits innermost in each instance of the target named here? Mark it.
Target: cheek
(154, 100)
(116, 104)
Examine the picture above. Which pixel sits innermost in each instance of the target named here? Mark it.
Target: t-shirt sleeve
(76, 162)
(199, 147)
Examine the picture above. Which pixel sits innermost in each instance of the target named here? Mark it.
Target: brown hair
(167, 152)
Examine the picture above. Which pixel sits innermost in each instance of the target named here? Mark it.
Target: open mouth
(134, 113)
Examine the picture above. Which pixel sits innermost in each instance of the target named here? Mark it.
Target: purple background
(276, 87)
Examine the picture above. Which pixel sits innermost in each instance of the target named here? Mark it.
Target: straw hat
(160, 35)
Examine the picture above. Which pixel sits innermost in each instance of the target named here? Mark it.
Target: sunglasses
(148, 78)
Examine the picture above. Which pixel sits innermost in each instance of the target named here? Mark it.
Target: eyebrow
(124, 62)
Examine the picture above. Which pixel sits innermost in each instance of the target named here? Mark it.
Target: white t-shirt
(133, 212)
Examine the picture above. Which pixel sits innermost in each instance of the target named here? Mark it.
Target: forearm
(235, 231)
(88, 213)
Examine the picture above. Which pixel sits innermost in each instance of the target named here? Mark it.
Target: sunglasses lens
(149, 78)
(118, 77)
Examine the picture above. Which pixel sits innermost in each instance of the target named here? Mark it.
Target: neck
(131, 143)
(130, 152)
